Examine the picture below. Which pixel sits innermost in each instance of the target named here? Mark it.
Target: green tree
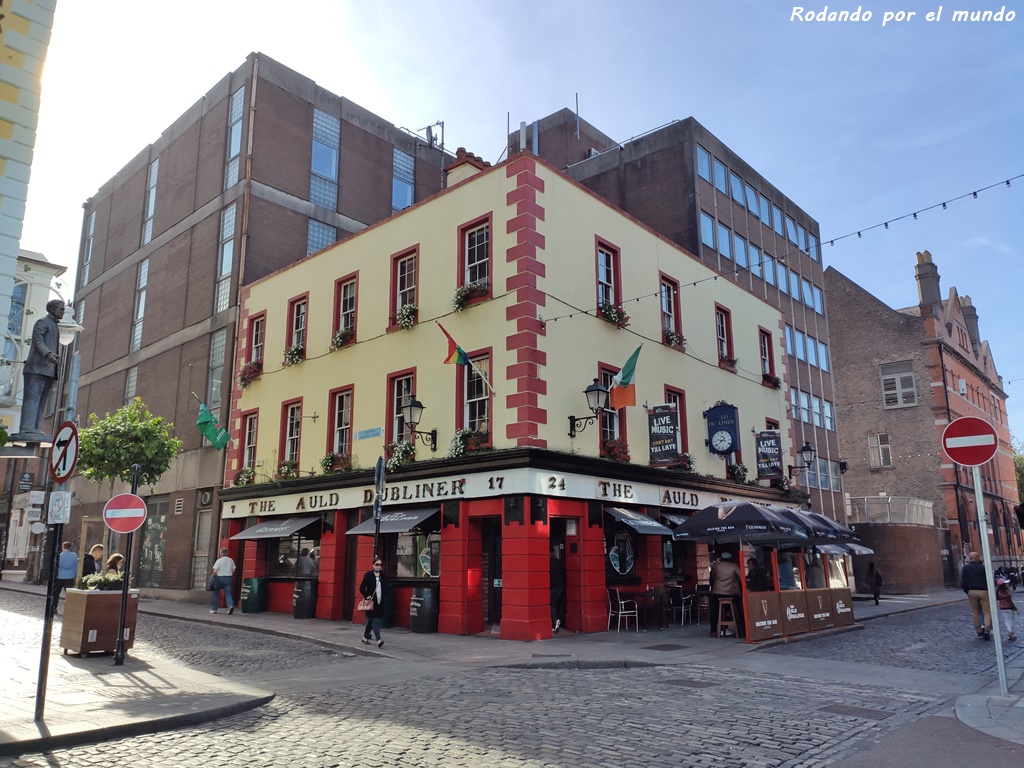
(109, 447)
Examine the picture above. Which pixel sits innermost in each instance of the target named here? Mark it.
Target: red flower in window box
(616, 450)
(249, 373)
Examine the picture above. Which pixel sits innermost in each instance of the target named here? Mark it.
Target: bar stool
(724, 604)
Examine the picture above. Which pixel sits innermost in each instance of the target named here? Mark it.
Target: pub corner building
(497, 497)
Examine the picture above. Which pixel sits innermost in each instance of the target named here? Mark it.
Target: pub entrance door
(490, 572)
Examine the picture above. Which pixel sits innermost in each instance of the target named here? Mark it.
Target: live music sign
(970, 441)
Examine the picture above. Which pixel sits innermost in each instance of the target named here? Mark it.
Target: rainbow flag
(456, 354)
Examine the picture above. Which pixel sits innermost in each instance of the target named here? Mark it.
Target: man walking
(974, 582)
(223, 571)
(67, 572)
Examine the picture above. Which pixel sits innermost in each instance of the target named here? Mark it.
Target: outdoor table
(648, 601)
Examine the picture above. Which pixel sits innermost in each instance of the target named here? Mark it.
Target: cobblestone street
(693, 715)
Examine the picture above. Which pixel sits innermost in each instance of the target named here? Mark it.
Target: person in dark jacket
(974, 581)
(373, 587)
(874, 581)
(92, 560)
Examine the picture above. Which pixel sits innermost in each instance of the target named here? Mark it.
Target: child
(1006, 606)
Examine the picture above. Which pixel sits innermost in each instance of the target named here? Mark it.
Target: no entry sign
(124, 513)
(970, 441)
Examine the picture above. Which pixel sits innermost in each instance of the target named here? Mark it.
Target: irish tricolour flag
(623, 391)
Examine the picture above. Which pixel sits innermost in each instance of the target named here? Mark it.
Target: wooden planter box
(91, 618)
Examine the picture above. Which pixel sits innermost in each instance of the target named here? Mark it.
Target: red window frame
(766, 342)
(460, 394)
(601, 243)
(289, 334)
(684, 437)
(414, 252)
(283, 436)
(610, 370)
(393, 377)
(332, 415)
(253, 321)
(726, 314)
(244, 421)
(673, 285)
(463, 248)
(341, 282)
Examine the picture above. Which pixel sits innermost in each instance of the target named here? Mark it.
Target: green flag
(211, 430)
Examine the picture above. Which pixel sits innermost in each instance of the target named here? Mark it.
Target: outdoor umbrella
(817, 531)
(739, 521)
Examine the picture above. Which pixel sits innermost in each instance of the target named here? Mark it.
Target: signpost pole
(986, 556)
(379, 478)
(55, 532)
(119, 648)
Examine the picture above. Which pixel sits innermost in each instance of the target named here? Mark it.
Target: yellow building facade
(557, 289)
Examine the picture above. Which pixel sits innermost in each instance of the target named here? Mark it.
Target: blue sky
(856, 122)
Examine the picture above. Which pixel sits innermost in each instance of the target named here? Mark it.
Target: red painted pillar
(453, 616)
(525, 575)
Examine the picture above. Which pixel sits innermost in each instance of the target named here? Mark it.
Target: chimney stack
(971, 320)
(927, 282)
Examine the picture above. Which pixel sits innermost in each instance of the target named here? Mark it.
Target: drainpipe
(956, 468)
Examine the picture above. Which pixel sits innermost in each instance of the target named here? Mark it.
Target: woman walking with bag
(372, 588)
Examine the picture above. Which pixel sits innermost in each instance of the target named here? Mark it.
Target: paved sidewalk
(90, 700)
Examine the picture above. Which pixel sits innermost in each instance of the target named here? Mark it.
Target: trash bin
(423, 609)
(304, 599)
(254, 595)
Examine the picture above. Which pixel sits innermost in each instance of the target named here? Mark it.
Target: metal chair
(689, 609)
(621, 609)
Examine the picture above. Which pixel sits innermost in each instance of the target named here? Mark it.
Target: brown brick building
(684, 183)
(906, 374)
(264, 169)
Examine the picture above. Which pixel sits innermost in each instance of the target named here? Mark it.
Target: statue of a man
(41, 368)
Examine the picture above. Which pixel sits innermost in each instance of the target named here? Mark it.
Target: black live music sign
(769, 454)
(663, 426)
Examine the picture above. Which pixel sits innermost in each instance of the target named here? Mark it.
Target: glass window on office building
(703, 164)
(721, 177)
(90, 233)
(141, 283)
(707, 230)
(130, 383)
(402, 183)
(225, 259)
(234, 142)
(150, 207)
(737, 188)
(323, 179)
(320, 236)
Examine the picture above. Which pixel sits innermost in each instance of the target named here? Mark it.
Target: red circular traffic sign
(970, 441)
(124, 513)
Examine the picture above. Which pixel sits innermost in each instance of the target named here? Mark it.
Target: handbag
(211, 583)
(366, 604)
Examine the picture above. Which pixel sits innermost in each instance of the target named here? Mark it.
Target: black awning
(638, 521)
(856, 549)
(673, 519)
(394, 522)
(276, 529)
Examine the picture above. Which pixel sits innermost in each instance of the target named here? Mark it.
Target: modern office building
(907, 373)
(687, 185)
(262, 170)
(547, 292)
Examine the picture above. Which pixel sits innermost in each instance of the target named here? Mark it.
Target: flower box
(91, 618)
(249, 373)
(465, 294)
(616, 450)
(294, 355)
(614, 314)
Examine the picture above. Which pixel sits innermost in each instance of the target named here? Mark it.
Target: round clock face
(721, 441)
